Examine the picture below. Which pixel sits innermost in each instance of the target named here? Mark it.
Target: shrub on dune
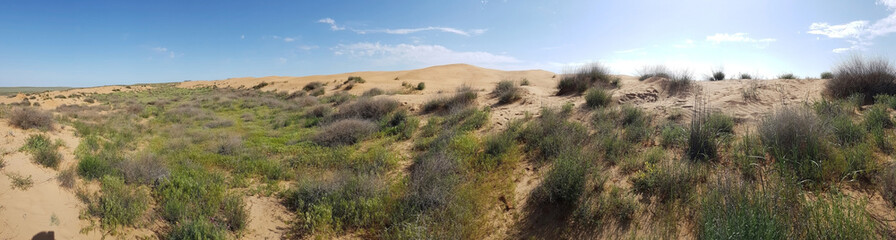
(585, 77)
(869, 77)
(28, 118)
(507, 91)
(344, 132)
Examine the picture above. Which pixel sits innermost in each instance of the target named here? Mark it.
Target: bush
(745, 76)
(338, 98)
(885, 100)
(507, 92)
(584, 78)
(17, 181)
(565, 182)
(703, 137)
(401, 124)
(673, 136)
(343, 202)
(718, 75)
(653, 71)
(43, 151)
(597, 97)
(354, 79)
(846, 133)
(143, 168)
(367, 108)
(666, 180)
(66, 178)
(93, 167)
(734, 210)
(344, 132)
(552, 134)
(464, 98)
(421, 86)
(320, 111)
(796, 138)
(373, 92)
(196, 230)
(877, 117)
(786, 76)
(236, 217)
(28, 118)
(260, 85)
(318, 92)
(310, 87)
(869, 77)
(119, 205)
(679, 83)
(750, 92)
(888, 191)
(827, 75)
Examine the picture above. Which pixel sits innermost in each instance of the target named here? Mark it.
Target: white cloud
(633, 50)
(332, 24)
(688, 43)
(851, 29)
(285, 39)
(308, 47)
(402, 31)
(419, 54)
(859, 33)
(160, 49)
(737, 37)
(243, 36)
(288, 39)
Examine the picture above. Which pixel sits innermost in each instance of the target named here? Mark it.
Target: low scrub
(597, 97)
(43, 151)
(373, 92)
(787, 76)
(333, 205)
(678, 84)
(585, 77)
(666, 180)
(144, 168)
(869, 77)
(463, 98)
(372, 109)
(650, 71)
(797, 139)
(565, 182)
(344, 132)
(552, 134)
(118, 204)
(507, 91)
(827, 75)
(28, 118)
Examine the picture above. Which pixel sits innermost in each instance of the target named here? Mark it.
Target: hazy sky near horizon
(90, 43)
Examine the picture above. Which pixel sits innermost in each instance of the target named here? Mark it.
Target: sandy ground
(25, 213)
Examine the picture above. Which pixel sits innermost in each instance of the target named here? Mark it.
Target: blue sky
(90, 43)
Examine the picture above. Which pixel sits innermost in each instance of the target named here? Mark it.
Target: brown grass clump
(28, 118)
(858, 75)
(464, 97)
(344, 132)
(507, 91)
(367, 108)
(584, 78)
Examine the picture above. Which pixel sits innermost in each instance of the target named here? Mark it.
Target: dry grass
(28, 118)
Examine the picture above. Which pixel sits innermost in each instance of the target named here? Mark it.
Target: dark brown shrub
(344, 132)
(28, 118)
(869, 77)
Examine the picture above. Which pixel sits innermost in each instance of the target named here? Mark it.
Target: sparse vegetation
(28, 118)
(718, 75)
(20, 182)
(787, 76)
(344, 132)
(597, 97)
(585, 77)
(869, 77)
(679, 83)
(653, 71)
(507, 92)
(463, 98)
(746, 76)
(827, 75)
(43, 151)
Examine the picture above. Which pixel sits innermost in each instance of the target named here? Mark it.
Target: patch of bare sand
(267, 218)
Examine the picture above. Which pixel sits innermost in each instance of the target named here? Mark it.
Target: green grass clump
(17, 181)
(196, 230)
(373, 92)
(885, 100)
(401, 124)
(43, 151)
(552, 134)
(705, 132)
(665, 180)
(748, 155)
(565, 182)
(653, 71)
(827, 75)
(786, 76)
(507, 91)
(584, 78)
(797, 139)
(372, 109)
(673, 135)
(679, 83)
(847, 133)
(877, 117)
(745, 76)
(597, 97)
(420, 86)
(463, 98)
(119, 204)
(734, 210)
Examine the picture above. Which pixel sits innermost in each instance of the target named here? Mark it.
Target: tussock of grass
(463, 98)
(507, 92)
(653, 71)
(344, 132)
(796, 138)
(372, 109)
(585, 77)
(43, 151)
(679, 83)
(597, 97)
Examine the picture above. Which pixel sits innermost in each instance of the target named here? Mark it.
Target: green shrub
(310, 87)
(28, 118)
(796, 138)
(585, 77)
(827, 75)
(17, 181)
(552, 134)
(869, 77)
(401, 124)
(565, 182)
(679, 83)
(337, 98)
(877, 117)
(354, 79)
(860, 163)
(666, 180)
(373, 92)
(43, 151)
(93, 167)
(507, 92)
(734, 210)
(673, 135)
(786, 76)
(888, 191)
(346, 202)
(885, 100)
(748, 155)
(718, 75)
(119, 204)
(463, 98)
(847, 133)
(597, 97)
(196, 230)
(260, 85)
(421, 86)
(745, 76)
(653, 71)
(236, 216)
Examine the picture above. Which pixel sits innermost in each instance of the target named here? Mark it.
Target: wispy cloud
(633, 50)
(418, 54)
(332, 24)
(402, 31)
(285, 39)
(688, 43)
(166, 51)
(859, 34)
(736, 37)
